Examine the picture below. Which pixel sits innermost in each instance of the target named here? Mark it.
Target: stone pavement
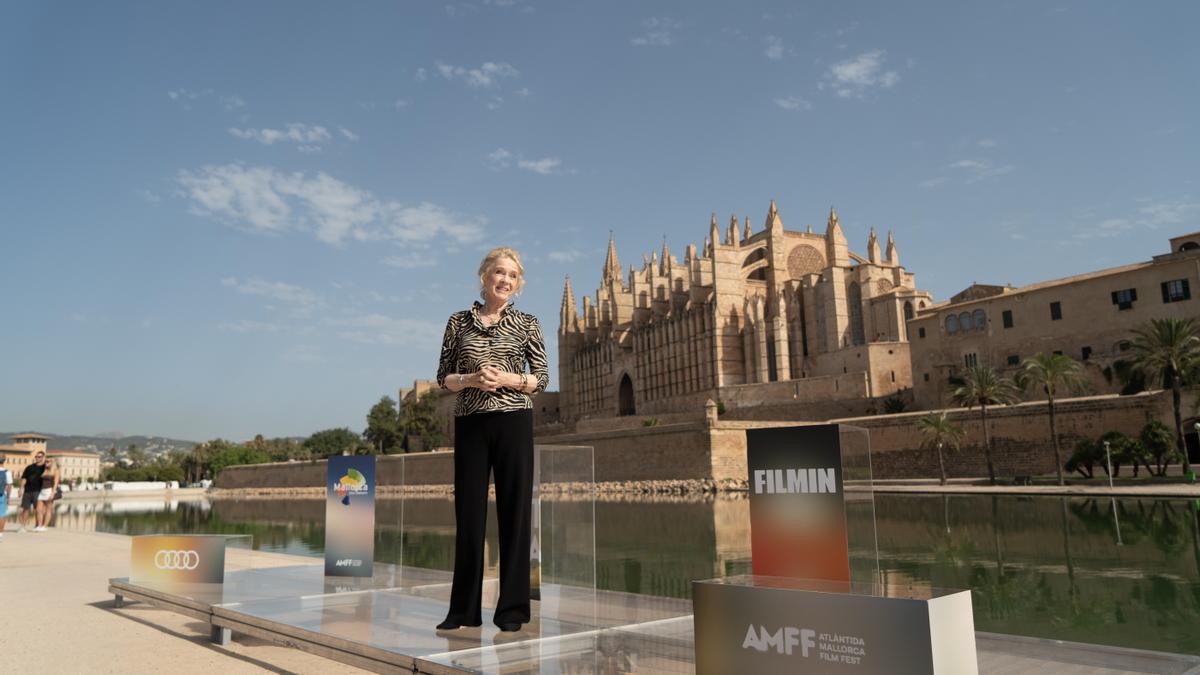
(54, 589)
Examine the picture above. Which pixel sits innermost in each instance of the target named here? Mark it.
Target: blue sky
(222, 219)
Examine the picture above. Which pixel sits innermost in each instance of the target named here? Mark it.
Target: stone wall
(716, 450)
(1020, 434)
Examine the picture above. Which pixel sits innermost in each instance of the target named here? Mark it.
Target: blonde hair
(489, 261)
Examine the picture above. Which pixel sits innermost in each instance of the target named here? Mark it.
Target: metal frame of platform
(621, 632)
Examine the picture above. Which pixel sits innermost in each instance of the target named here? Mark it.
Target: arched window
(908, 311)
(625, 404)
(964, 322)
(1188, 246)
(854, 299)
(952, 324)
(980, 319)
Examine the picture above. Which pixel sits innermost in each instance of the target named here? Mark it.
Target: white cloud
(349, 135)
(232, 102)
(261, 199)
(380, 329)
(296, 297)
(402, 103)
(793, 103)
(1157, 213)
(246, 326)
(503, 158)
(523, 92)
(659, 32)
(495, 103)
(410, 261)
(773, 47)
(979, 169)
(302, 354)
(307, 134)
(568, 256)
(486, 75)
(986, 143)
(149, 196)
(544, 166)
(499, 159)
(853, 77)
(421, 75)
(933, 182)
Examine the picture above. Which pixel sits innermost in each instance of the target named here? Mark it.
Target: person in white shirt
(5, 490)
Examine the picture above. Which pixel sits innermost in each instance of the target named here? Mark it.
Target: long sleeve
(535, 354)
(449, 351)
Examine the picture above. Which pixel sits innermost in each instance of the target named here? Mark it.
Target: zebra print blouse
(509, 343)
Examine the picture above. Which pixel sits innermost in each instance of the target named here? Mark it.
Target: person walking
(484, 354)
(46, 496)
(31, 486)
(5, 490)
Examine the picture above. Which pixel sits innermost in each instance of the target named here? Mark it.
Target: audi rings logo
(176, 560)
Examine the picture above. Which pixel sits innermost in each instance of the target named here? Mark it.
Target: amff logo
(782, 640)
(348, 562)
(795, 481)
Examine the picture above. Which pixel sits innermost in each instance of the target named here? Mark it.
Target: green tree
(135, 455)
(335, 442)
(939, 433)
(982, 386)
(1055, 373)
(1156, 437)
(1087, 453)
(1165, 350)
(383, 426)
(420, 419)
(233, 455)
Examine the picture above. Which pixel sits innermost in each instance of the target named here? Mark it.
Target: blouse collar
(477, 312)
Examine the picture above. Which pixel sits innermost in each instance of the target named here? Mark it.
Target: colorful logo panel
(350, 516)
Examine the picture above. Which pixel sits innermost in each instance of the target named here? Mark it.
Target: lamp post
(1108, 458)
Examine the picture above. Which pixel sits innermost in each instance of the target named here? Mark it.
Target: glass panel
(861, 537)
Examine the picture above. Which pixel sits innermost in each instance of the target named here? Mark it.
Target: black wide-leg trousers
(500, 443)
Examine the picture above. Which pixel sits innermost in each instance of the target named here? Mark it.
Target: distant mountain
(153, 445)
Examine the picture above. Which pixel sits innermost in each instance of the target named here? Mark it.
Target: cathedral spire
(566, 317)
(731, 231)
(747, 231)
(893, 256)
(612, 266)
(714, 234)
(773, 219)
(665, 262)
(873, 247)
(837, 252)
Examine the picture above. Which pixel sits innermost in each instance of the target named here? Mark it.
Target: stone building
(19, 452)
(76, 465)
(1090, 317)
(769, 315)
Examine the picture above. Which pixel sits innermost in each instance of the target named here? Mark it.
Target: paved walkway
(54, 587)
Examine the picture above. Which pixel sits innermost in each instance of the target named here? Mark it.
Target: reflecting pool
(1120, 572)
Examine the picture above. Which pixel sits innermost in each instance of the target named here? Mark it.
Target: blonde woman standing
(45, 498)
(484, 355)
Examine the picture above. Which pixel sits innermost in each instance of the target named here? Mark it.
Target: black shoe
(451, 624)
(509, 627)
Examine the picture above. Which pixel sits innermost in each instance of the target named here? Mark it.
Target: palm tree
(1055, 373)
(940, 432)
(1165, 350)
(982, 387)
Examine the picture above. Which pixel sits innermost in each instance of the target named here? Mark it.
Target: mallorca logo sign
(353, 483)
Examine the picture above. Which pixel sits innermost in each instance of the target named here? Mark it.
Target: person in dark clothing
(484, 355)
(31, 485)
